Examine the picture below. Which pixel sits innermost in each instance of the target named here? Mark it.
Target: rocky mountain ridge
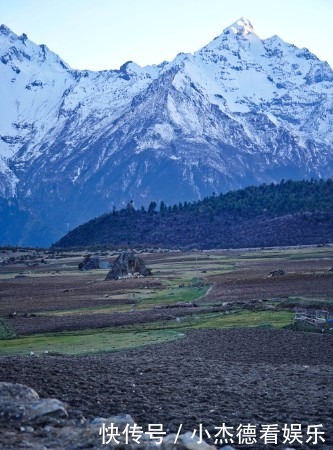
(73, 144)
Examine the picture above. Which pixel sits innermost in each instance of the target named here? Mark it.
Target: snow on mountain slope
(33, 80)
(74, 143)
(41, 96)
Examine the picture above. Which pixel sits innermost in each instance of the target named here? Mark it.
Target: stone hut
(128, 265)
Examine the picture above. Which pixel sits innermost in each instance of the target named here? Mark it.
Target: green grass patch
(5, 331)
(85, 342)
(133, 336)
(171, 295)
(287, 253)
(241, 319)
(233, 319)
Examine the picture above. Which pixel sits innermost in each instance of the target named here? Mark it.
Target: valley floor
(210, 377)
(221, 346)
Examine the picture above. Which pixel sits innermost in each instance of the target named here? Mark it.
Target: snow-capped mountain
(75, 143)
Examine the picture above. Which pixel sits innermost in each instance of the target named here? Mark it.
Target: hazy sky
(103, 34)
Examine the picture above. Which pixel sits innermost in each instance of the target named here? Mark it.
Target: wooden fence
(314, 318)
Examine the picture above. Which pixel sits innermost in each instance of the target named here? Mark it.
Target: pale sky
(103, 34)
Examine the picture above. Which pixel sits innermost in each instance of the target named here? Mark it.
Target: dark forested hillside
(288, 213)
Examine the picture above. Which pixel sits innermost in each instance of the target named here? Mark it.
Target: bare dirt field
(210, 377)
(214, 372)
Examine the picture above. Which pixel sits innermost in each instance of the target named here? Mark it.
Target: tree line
(287, 213)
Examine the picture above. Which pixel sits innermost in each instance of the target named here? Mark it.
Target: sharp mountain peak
(73, 143)
(242, 26)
